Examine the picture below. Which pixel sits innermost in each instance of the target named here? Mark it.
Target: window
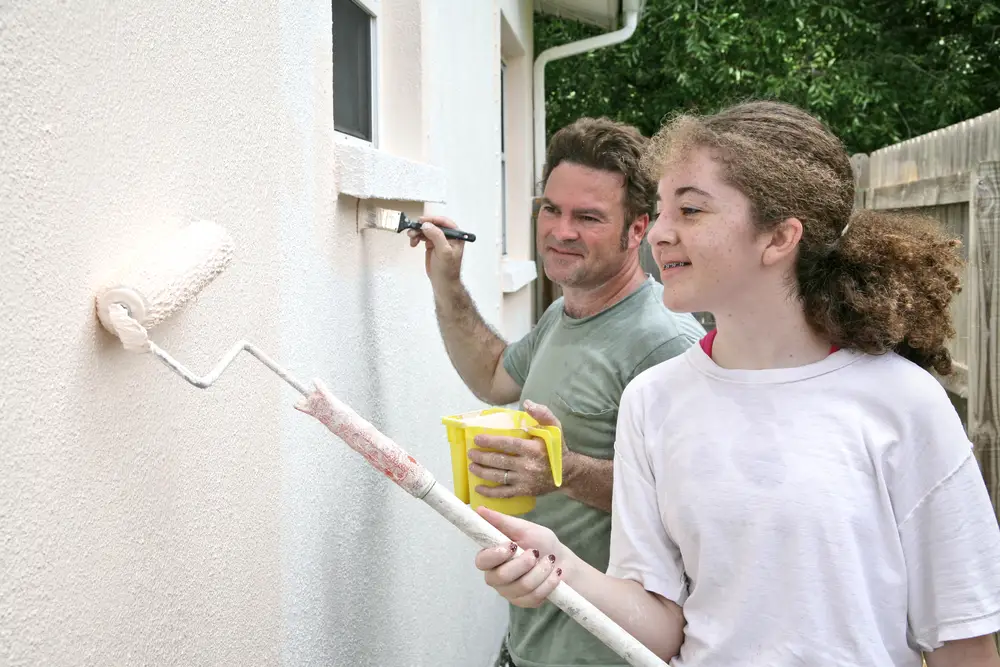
(503, 157)
(354, 67)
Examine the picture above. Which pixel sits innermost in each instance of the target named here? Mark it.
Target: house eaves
(602, 13)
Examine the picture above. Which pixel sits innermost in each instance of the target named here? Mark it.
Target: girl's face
(711, 258)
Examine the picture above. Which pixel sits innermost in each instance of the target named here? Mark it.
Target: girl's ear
(784, 239)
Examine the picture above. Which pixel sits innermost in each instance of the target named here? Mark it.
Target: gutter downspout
(630, 8)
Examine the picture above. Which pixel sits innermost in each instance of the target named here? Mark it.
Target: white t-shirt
(831, 514)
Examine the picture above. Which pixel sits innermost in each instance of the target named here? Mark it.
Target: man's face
(581, 226)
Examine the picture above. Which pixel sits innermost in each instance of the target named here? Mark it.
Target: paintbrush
(372, 217)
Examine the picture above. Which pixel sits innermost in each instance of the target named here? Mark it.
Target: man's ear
(637, 230)
(782, 242)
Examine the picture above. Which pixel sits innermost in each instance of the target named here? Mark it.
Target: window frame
(373, 9)
(503, 157)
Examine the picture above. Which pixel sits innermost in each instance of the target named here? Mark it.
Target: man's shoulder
(548, 319)
(652, 324)
(554, 309)
(550, 315)
(646, 332)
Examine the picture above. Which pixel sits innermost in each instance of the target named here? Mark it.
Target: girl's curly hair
(868, 280)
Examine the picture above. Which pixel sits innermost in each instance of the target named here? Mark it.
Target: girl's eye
(688, 210)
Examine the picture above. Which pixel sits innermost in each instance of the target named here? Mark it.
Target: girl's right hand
(524, 580)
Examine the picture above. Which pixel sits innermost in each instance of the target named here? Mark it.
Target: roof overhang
(602, 13)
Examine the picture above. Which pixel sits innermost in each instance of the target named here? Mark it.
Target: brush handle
(458, 234)
(449, 232)
(393, 461)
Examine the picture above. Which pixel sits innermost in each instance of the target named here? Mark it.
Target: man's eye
(689, 210)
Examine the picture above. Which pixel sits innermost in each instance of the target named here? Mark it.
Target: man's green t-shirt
(579, 368)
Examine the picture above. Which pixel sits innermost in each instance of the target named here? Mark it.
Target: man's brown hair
(601, 143)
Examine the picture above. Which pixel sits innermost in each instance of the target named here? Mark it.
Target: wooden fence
(953, 175)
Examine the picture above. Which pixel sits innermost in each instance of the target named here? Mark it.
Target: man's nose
(564, 229)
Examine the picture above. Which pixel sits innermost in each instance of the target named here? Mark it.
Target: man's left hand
(519, 465)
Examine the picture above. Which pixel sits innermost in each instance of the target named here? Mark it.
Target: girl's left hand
(524, 580)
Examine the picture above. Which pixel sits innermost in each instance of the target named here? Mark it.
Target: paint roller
(155, 282)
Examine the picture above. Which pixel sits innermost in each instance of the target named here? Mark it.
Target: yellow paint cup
(462, 430)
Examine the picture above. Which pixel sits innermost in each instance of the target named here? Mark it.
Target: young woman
(798, 489)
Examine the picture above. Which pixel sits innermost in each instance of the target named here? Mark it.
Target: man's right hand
(443, 256)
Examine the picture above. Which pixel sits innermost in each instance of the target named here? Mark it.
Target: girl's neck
(767, 335)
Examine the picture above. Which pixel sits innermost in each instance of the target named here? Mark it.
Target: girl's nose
(662, 231)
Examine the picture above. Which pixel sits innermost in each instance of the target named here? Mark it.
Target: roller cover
(161, 278)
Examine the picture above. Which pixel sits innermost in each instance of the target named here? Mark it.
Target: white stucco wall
(148, 522)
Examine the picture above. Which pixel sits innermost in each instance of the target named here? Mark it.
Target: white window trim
(516, 273)
(503, 158)
(366, 172)
(373, 7)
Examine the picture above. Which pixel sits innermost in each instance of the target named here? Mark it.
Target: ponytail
(885, 284)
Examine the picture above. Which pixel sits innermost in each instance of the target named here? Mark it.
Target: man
(570, 370)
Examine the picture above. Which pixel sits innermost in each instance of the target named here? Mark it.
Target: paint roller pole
(159, 280)
(390, 459)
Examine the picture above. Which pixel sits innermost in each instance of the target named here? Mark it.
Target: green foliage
(877, 71)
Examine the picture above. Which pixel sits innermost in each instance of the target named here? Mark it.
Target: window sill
(515, 274)
(366, 172)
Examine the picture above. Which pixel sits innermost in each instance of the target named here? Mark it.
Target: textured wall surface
(140, 516)
(148, 522)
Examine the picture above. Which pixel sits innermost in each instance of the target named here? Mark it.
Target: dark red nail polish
(552, 558)
(558, 571)
(535, 552)
(513, 547)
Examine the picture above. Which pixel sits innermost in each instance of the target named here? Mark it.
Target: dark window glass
(352, 69)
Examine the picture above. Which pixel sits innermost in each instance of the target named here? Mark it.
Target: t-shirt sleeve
(517, 357)
(641, 549)
(948, 531)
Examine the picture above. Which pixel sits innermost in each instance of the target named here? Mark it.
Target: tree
(877, 71)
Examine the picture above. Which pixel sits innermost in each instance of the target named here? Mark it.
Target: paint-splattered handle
(380, 451)
(566, 598)
(389, 458)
